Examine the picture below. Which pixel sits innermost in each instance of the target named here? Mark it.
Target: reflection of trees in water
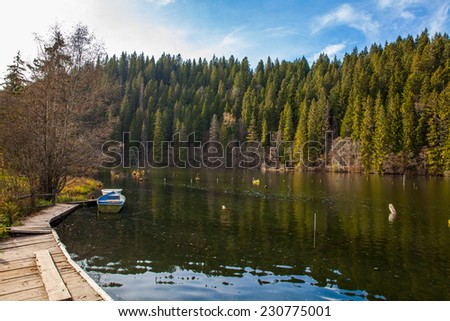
(268, 238)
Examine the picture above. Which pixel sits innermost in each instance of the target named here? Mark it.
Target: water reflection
(174, 240)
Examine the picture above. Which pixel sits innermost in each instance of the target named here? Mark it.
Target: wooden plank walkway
(20, 277)
(54, 285)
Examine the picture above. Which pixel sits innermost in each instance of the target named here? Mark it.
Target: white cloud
(232, 39)
(279, 32)
(408, 15)
(161, 3)
(220, 44)
(400, 7)
(35, 17)
(347, 15)
(121, 25)
(330, 50)
(439, 18)
(383, 4)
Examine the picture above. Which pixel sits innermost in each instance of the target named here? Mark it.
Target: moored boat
(111, 201)
(109, 190)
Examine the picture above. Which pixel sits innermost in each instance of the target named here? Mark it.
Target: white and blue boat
(111, 201)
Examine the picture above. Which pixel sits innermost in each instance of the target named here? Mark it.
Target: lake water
(175, 241)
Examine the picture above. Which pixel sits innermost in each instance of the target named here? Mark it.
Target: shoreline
(20, 275)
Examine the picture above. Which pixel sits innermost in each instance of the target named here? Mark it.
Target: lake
(295, 236)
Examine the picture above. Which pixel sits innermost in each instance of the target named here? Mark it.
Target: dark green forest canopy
(392, 101)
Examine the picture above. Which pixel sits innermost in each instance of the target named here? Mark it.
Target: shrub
(10, 213)
(43, 203)
(3, 232)
(78, 189)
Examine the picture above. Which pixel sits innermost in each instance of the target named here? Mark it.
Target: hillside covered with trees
(391, 101)
(387, 108)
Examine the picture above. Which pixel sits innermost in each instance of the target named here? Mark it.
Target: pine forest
(392, 101)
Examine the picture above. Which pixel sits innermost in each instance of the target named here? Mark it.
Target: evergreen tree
(366, 136)
(408, 122)
(248, 105)
(380, 138)
(252, 134)
(438, 124)
(125, 117)
(214, 129)
(265, 139)
(301, 134)
(158, 136)
(15, 80)
(318, 119)
(288, 128)
(394, 116)
(347, 122)
(356, 119)
(444, 103)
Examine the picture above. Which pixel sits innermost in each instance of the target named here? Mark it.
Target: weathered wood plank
(32, 227)
(28, 283)
(19, 266)
(58, 256)
(17, 239)
(19, 275)
(8, 282)
(53, 283)
(37, 294)
(82, 294)
(29, 231)
(79, 287)
(14, 264)
(23, 252)
(17, 242)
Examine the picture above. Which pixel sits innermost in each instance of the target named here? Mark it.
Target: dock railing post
(33, 200)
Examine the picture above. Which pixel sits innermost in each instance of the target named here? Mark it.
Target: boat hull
(106, 191)
(109, 208)
(112, 202)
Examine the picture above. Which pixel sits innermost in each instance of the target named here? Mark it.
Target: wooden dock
(37, 267)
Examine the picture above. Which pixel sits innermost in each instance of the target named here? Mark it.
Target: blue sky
(286, 29)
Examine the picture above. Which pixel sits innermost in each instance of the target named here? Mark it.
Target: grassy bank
(79, 189)
(14, 206)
